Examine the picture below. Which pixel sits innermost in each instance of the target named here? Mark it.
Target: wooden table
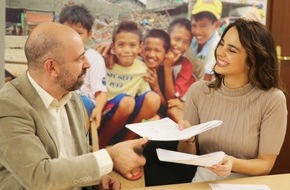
(274, 182)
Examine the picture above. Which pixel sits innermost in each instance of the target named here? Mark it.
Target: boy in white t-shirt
(94, 91)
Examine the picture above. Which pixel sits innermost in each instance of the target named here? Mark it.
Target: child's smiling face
(153, 52)
(180, 39)
(204, 29)
(126, 48)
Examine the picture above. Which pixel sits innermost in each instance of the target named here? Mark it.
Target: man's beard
(76, 85)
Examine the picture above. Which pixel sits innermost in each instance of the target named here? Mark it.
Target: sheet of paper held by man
(190, 159)
(238, 187)
(167, 130)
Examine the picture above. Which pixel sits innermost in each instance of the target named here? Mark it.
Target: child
(130, 97)
(205, 25)
(93, 92)
(178, 70)
(156, 45)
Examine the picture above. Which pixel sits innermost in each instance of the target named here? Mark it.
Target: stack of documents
(190, 159)
(167, 130)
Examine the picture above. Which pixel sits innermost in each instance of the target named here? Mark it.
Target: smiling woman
(246, 95)
(239, 50)
(231, 59)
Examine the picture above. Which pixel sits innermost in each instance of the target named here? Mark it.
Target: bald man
(43, 142)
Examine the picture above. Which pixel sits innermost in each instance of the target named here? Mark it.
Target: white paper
(190, 159)
(238, 187)
(167, 130)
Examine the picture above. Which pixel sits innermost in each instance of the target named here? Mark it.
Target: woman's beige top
(254, 121)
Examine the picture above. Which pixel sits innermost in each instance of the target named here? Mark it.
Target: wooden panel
(282, 164)
(279, 25)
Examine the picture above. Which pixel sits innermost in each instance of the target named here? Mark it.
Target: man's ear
(50, 67)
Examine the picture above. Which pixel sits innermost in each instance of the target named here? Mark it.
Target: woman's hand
(223, 168)
(183, 125)
(175, 102)
(187, 145)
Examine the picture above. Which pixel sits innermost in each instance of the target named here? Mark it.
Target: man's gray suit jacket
(29, 148)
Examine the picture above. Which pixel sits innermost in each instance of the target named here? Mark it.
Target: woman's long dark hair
(262, 60)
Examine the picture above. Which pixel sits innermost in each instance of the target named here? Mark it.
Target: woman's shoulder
(275, 93)
(272, 92)
(266, 98)
(271, 99)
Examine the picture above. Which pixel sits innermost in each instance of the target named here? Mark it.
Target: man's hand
(125, 157)
(109, 183)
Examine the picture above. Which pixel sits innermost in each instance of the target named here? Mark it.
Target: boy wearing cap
(205, 24)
